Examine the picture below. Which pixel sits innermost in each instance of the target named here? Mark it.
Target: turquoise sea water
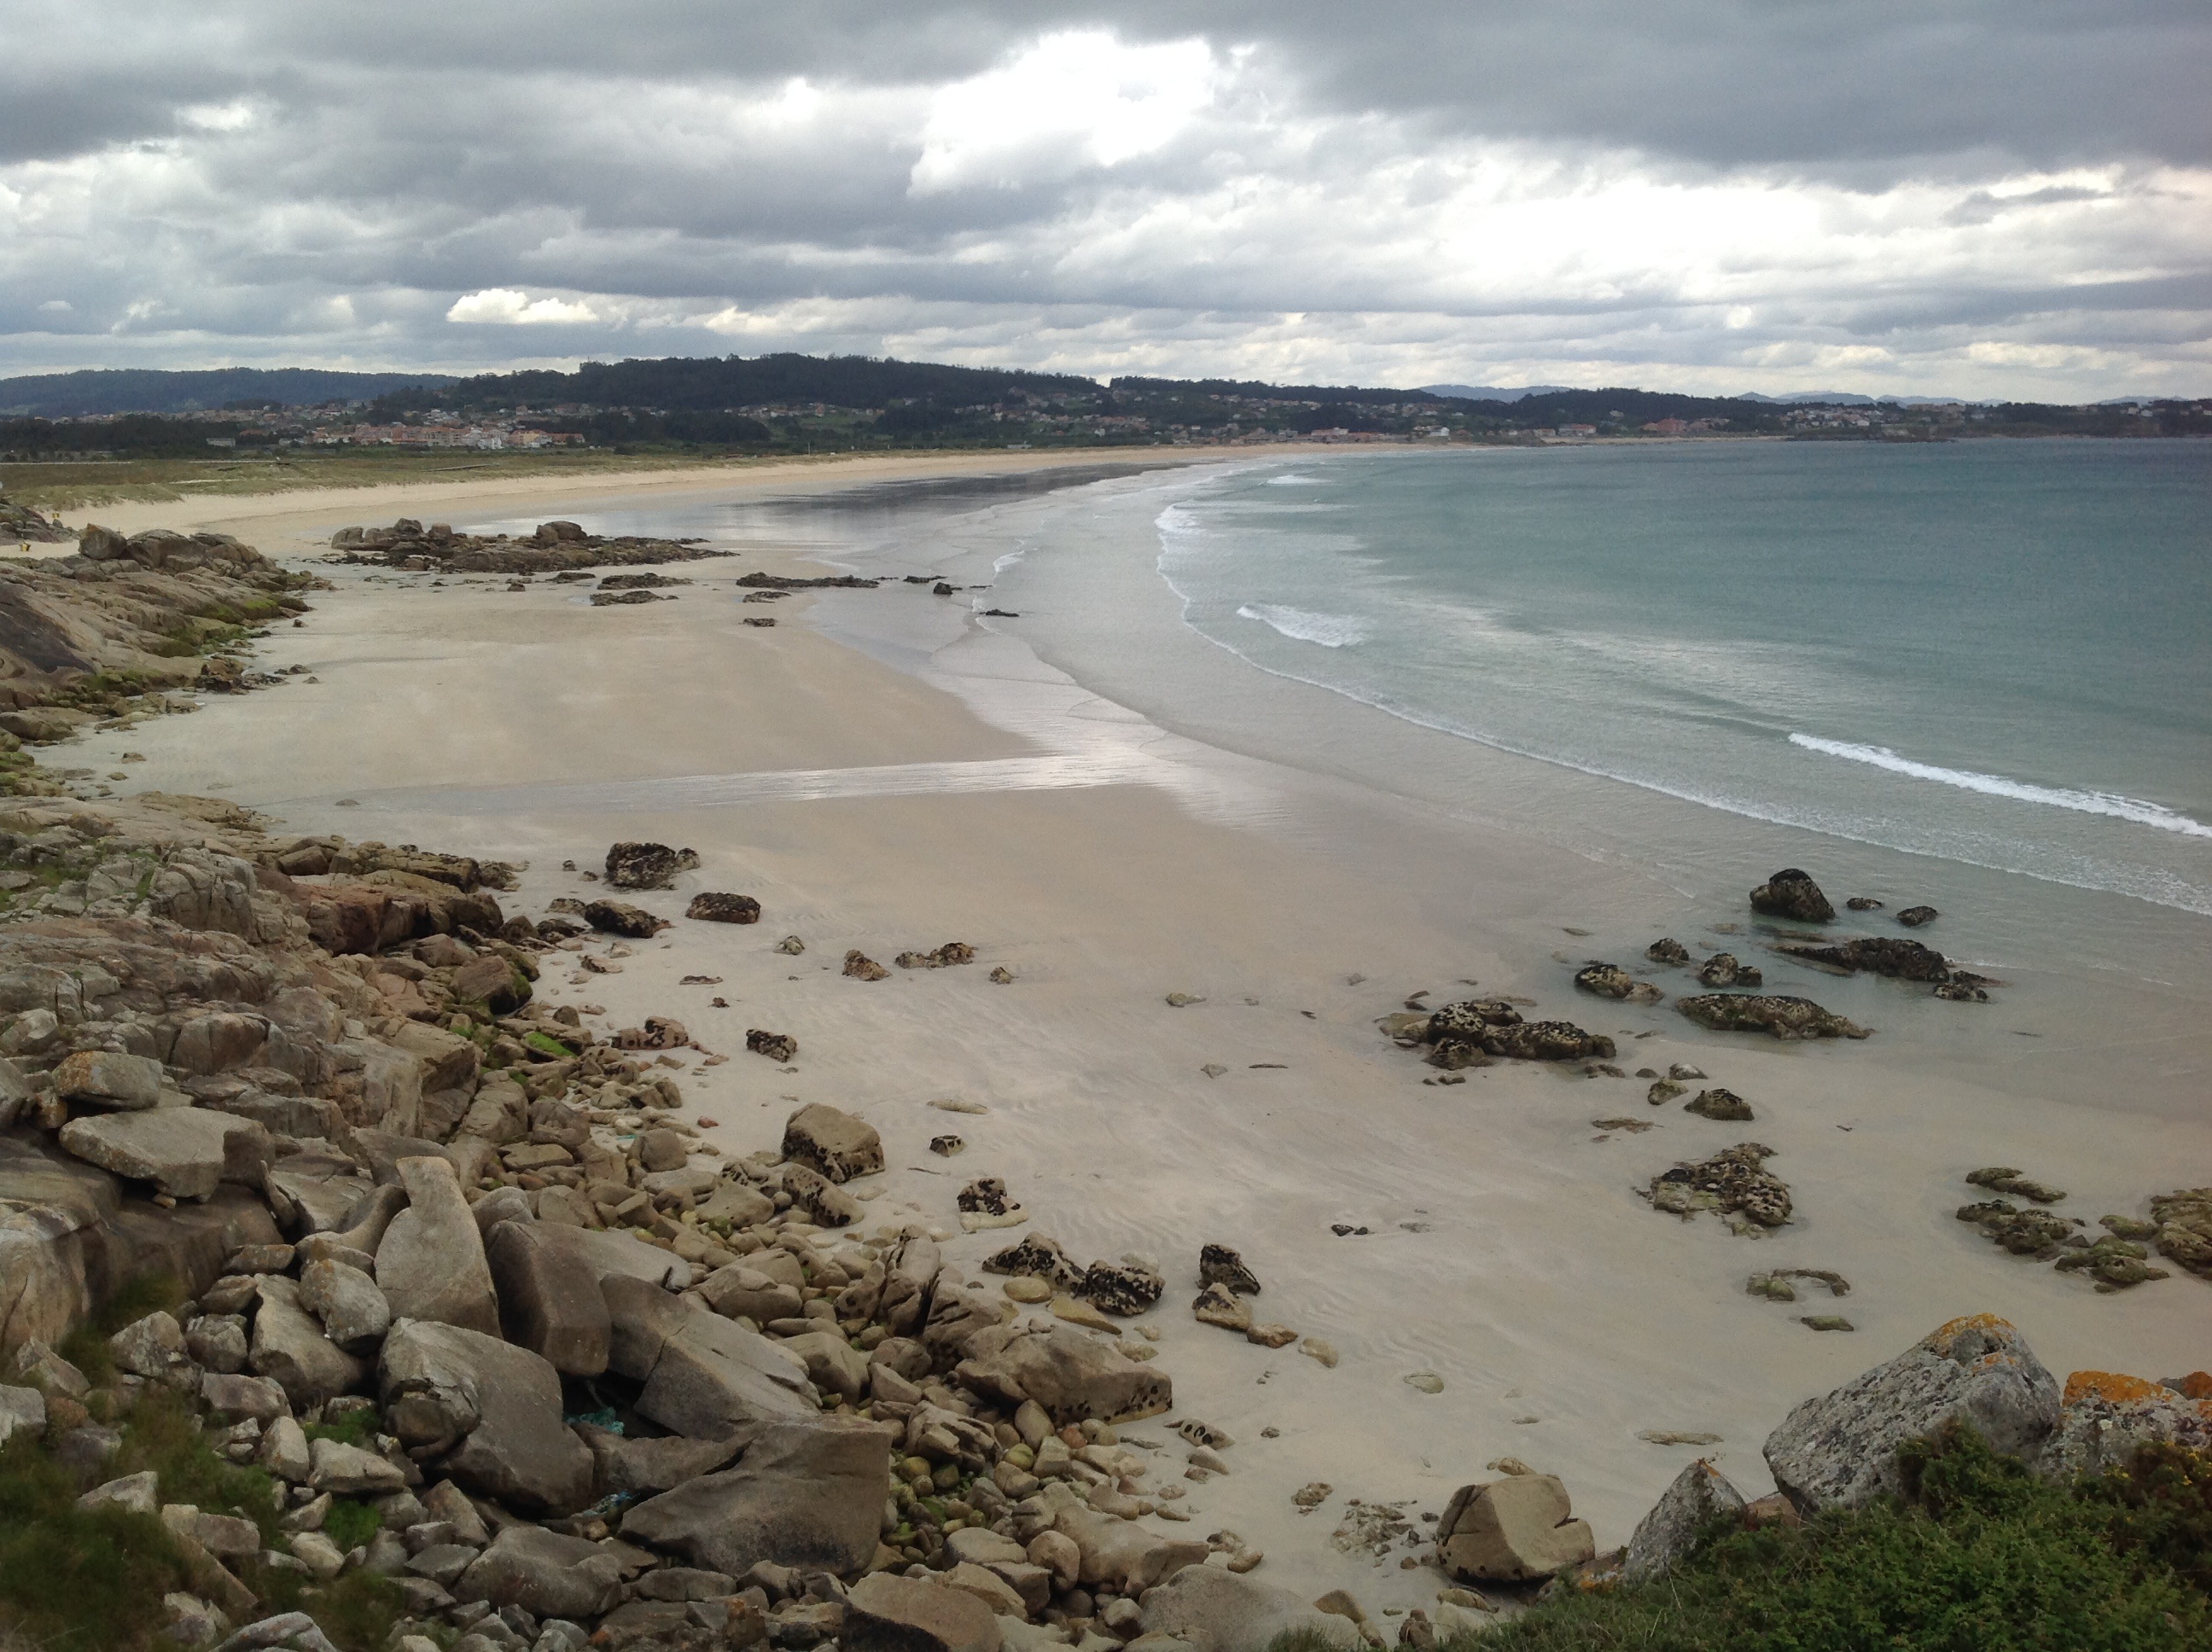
(1994, 652)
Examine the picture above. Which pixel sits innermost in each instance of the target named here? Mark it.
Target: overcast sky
(1986, 197)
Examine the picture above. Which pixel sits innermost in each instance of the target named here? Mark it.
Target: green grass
(1976, 1557)
(350, 1525)
(86, 1348)
(353, 1428)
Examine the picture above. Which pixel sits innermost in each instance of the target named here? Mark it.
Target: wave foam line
(1996, 786)
(1300, 625)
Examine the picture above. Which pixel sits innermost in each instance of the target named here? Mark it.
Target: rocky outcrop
(1883, 954)
(1734, 1182)
(1786, 1018)
(647, 865)
(1791, 893)
(555, 547)
(431, 1263)
(1700, 1495)
(2105, 1418)
(718, 907)
(887, 1613)
(487, 1412)
(1211, 1609)
(1611, 981)
(1840, 1451)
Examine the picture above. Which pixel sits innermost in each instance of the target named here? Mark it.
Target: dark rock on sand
(1722, 1104)
(619, 918)
(716, 907)
(1125, 1288)
(1784, 1018)
(1733, 1181)
(1218, 1265)
(1886, 955)
(2004, 1179)
(951, 952)
(1611, 981)
(1913, 917)
(1466, 1020)
(860, 966)
(1669, 950)
(777, 1046)
(1791, 893)
(1545, 1041)
(647, 865)
(2038, 1234)
(1723, 969)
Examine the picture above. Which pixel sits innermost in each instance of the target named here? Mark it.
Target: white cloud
(505, 306)
(57, 306)
(1078, 98)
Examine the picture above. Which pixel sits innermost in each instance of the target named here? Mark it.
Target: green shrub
(86, 1348)
(353, 1428)
(73, 1581)
(1978, 1556)
(350, 1525)
(162, 1434)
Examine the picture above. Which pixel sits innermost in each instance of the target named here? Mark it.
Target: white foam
(1293, 480)
(1330, 630)
(1996, 786)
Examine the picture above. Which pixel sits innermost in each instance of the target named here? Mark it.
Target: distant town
(807, 405)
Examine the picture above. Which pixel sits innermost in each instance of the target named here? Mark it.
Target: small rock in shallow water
(1611, 981)
(1669, 950)
(1913, 917)
(1724, 1105)
(1786, 1018)
(1723, 969)
(1665, 1091)
(1863, 903)
(1791, 893)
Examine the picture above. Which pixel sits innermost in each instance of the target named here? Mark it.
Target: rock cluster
(1466, 1033)
(397, 1189)
(1783, 1017)
(23, 525)
(1734, 1182)
(1611, 981)
(555, 547)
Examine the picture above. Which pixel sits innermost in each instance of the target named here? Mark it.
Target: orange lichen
(2197, 1385)
(2113, 1388)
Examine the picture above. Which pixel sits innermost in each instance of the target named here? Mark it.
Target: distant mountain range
(146, 390)
(1494, 393)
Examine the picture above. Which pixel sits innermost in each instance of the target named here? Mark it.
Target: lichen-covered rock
(1733, 1181)
(2004, 1179)
(1784, 1018)
(860, 966)
(1125, 1288)
(2103, 1419)
(1725, 969)
(1545, 1041)
(1665, 1536)
(1611, 981)
(1518, 1529)
(1668, 950)
(1218, 1265)
(1468, 1020)
(2039, 1234)
(1840, 1451)
(1791, 893)
(951, 952)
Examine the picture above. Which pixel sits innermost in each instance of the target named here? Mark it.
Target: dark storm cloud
(1403, 192)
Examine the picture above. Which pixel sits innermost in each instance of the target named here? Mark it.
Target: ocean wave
(1996, 786)
(1293, 480)
(1330, 630)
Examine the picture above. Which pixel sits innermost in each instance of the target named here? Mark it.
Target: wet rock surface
(1791, 893)
(1784, 1018)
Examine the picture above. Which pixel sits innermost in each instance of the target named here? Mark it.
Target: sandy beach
(1497, 1242)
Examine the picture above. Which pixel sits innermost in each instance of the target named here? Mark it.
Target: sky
(1991, 198)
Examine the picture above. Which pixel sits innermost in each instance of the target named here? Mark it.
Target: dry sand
(1506, 1249)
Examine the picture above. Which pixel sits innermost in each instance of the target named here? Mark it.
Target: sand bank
(1504, 1248)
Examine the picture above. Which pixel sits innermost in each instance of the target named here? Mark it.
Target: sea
(1976, 675)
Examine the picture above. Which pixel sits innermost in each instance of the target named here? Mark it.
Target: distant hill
(143, 390)
(1494, 393)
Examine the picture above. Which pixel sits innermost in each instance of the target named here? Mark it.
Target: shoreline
(1504, 1250)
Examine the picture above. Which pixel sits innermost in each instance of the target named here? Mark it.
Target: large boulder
(1515, 1530)
(647, 865)
(889, 1613)
(712, 1377)
(489, 1412)
(2103, 1419)
(549, 1298)
(1791, 893)
(290, 1349)
(623, 1466)
(184, 1151)
(1071, 1375)
(547, 1575)
(109, 1079)
(807, 1494)
(431, 1263)
(1700, 1494)
(1131, 1557)
(1211, 1609)
(1840, 1451)
(832, 1142)
(354, 1312)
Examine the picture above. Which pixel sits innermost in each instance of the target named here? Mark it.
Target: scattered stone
(1775, 1286)
(781, 1047)
(1002, 976)
(950, 953)
(1723, 969)
(1668, 951)
(1863, 903)
(617, 918)
(1518, 1529)
(1219, 1305)
(860, 966)
(1218, 1265)
(1733, 1181)
(1662, 1091)
(1786, 1018)
(1426, 1382)
(1720, 1104)
(1183, 1001)
(714, 906)
(1827, 1322)
(1127, 1288)
(1611, 981)
(1792, 894)
(1840, 1451)
(647, 865)
(1913, 917)
(2183, 1219)
(832, 1142)
(2039, 1234)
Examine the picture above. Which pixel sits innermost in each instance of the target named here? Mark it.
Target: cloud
(1987, 198)
(504, 307)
